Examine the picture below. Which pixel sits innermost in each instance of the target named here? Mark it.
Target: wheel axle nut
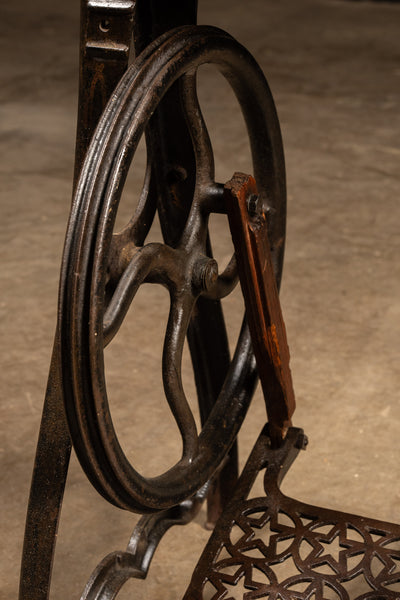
(205, 273)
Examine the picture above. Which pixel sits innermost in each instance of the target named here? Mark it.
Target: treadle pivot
(278, 548)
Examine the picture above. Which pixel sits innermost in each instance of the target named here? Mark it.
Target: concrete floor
(334, 69)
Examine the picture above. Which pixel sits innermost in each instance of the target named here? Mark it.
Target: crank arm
(249, 231)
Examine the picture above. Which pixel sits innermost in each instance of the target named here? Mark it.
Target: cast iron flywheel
(102, 269)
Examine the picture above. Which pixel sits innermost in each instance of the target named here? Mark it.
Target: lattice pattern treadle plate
(278, 548)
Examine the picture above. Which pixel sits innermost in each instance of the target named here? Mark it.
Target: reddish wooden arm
(264, 315)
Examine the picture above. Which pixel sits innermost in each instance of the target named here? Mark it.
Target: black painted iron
(186, 268)
(102, 269)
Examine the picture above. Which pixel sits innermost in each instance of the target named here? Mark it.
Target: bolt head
(209, 274)
(205, 273)
(253, 204)
(302, 441)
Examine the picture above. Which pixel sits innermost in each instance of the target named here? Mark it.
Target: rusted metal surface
(173, 161)
(102, 270)
(279, 548)
(249, 230)
(94, 301)
(47, 489)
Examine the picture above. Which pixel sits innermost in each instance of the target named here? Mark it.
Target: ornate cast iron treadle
(269, 547)
(278, 548)
(273, 546)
